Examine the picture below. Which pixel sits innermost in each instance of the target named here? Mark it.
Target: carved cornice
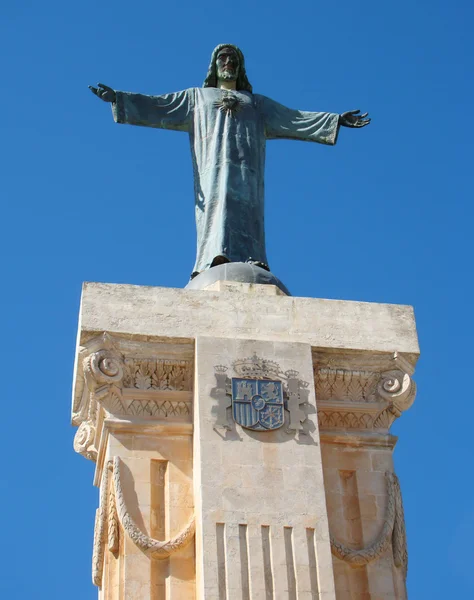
(358, 438)
(129, 380)
(363, 398)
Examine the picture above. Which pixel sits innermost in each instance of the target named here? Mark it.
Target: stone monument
(240, 435)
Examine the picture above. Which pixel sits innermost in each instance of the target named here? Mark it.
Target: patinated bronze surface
(228, 126)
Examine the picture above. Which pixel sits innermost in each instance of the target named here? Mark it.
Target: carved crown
(256, 367)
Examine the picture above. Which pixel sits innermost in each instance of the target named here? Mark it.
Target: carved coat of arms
(259, 395)
(257, 404)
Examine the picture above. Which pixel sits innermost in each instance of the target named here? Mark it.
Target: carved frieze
(356, 398)
(329, 419)
(346, 385)
(143, 374)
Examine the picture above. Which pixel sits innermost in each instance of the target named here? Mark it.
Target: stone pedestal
(241, 440)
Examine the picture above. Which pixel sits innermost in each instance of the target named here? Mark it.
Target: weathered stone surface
(153, 371)
(259, 484)
(169, 312)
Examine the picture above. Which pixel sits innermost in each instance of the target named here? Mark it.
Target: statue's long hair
(242, 82)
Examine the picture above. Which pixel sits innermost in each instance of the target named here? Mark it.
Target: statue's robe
(228, 152)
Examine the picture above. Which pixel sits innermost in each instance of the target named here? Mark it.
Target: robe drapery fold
(228, 153)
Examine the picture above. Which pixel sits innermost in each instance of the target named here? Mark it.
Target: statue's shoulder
(260, 100)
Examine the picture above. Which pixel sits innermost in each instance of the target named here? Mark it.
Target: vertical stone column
(137, 402)
(261, 518)
(356, 409)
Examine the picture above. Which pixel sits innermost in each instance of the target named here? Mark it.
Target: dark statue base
(237, 271)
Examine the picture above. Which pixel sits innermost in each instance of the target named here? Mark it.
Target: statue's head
(227, 63)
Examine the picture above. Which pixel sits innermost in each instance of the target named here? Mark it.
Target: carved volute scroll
(84, 440)
(399, 390)
(99, 378)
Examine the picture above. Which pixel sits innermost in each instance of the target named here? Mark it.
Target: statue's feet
(219, 260)
(250, 271)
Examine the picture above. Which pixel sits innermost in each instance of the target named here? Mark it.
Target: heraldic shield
(257, 404)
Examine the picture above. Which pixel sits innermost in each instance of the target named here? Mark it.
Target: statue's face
(227, 64)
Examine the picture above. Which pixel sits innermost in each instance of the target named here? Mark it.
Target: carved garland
(400, 552)
(148, 545)
(111, 511)
(393, 531)
(113, 526)
(99, 531)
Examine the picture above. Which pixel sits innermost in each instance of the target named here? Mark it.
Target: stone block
(280, 474)
(260, 499)
(187, 314)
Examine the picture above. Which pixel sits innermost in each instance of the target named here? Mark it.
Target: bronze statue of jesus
(228, 126)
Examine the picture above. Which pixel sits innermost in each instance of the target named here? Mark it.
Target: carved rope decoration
(99, 531)
(393, 532)
(113, 526)
(148, 545)
(399, 538)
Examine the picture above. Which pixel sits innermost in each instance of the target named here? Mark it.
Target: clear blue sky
(384, 216)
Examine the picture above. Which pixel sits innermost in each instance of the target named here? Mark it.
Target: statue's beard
(227, 74)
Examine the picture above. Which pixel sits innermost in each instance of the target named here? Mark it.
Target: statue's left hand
(353, 118)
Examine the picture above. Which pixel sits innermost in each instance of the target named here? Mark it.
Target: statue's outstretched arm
(169, 111)
(104, 92)
(353, 118)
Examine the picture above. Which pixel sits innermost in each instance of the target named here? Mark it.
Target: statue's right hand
(104, 92)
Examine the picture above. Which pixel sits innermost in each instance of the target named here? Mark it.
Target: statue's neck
(226, 85)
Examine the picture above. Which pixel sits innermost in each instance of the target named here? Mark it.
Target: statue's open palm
(353, 118)
(104, 92)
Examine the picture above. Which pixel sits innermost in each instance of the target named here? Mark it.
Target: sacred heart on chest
(229, 104)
